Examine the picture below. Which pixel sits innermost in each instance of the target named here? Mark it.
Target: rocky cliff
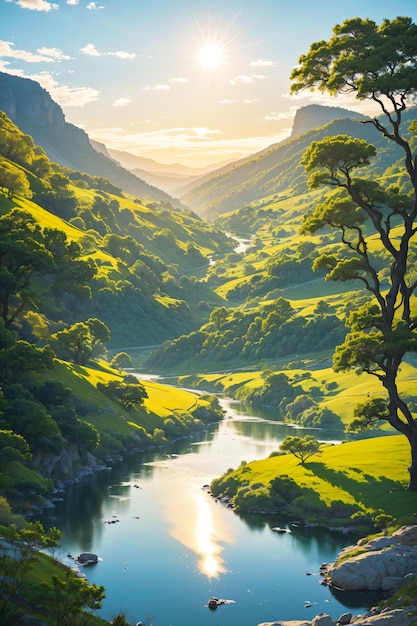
(315, 115)
(31, 108)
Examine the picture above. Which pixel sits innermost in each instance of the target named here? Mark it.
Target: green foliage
(82, 341)
(130, 395)
(19, 550)
(301, 447)
(362, 57)
(72, 600)
(237, 336)
(14, 180)
(13, 447)
(367, 414)
(121, 360)
(377, 62)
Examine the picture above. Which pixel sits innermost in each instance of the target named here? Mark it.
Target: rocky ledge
(380, 564)
(395, 617)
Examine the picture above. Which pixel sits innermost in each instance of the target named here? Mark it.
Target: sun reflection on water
(197, 522)
(207, 545)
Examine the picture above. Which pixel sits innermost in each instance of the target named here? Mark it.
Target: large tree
(377, 63)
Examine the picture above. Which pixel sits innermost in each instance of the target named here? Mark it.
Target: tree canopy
(377, 63)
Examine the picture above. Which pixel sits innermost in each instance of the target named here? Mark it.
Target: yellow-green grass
(371, 474)
(47, 219)
(347, 389)
(162, 400)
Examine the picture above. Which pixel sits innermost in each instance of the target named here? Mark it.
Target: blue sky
(193, 82)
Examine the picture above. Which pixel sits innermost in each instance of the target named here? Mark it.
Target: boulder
(323, 619)
(87, 558)
(396, 617)
(344, 619)
(383, 565)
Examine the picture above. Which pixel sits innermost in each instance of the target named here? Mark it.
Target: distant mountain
(316, 115)
(277, 169)
(31, 107)
(171, 177)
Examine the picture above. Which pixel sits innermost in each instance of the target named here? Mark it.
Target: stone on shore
(382, 566)
(394, 617)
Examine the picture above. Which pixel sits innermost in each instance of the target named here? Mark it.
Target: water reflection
(206, 540)
(174, 546)
(191, 514)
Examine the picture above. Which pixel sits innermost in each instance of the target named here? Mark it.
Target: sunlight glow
(211, 55)
(206, 546)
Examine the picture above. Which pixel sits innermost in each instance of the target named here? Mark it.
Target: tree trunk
(412, 438)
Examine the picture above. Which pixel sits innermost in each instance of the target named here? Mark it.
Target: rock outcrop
(33, 110)
(395, 617)
(383, 564)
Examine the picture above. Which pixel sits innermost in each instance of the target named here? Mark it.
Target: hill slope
(33, 110)
(277, 170)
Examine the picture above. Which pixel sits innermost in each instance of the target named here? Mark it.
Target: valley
(255, 336)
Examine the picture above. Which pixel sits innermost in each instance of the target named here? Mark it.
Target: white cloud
(91, 50)
(65, 95)
(227, 101)
(276, 116)
(37, 5)
(73, 2)
(54, 53)
(43, 55)
(179, 81)
(241, 80)
(93, 6)
(252, 101)
(244, 79)
(159, 87)
(121, 102)
(121, 54)
(263, 63)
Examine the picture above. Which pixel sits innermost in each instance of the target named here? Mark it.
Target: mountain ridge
(34, 111)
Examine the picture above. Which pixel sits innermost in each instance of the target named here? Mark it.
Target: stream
(165, 546)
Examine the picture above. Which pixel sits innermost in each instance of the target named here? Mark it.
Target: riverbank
(346, 487)
(386, 563)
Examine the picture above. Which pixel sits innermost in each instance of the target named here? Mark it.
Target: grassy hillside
(143, 253)
(277, 170)
(347, 485)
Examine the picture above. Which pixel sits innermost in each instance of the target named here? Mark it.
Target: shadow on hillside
(367, 490)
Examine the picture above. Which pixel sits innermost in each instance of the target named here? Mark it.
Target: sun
(211, 56)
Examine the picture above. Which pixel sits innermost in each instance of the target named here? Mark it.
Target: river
(166, 546)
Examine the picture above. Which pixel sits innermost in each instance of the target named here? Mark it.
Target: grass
(347, 389)
(371, 475)
(41, 572)
(107, 415)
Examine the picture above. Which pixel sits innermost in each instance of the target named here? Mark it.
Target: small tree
(71, 600)
(129, 395)
(121, 360)
(301, 447)
(377, 63)
(19, 550)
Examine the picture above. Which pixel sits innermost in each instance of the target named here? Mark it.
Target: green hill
(346, 486)
(277, 171)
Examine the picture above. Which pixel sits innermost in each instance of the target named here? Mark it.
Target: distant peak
(316, 115)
